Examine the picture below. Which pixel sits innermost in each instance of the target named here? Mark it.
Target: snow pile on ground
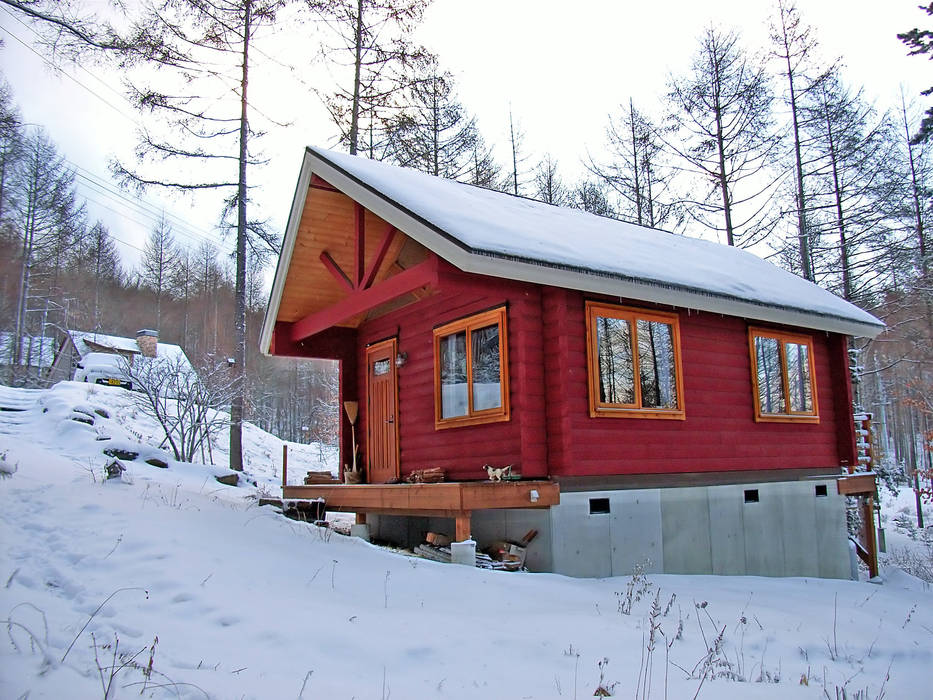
(169, 584)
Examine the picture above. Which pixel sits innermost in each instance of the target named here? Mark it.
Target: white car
(103, 368)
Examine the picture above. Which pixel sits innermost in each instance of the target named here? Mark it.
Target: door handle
(390, 420)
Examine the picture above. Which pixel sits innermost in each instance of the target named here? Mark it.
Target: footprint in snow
(228, 620)
(181, 598)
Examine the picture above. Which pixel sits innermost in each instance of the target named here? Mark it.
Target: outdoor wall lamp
(401, 359)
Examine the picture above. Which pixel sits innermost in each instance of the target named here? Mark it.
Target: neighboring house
(145, 347)
(35, 358)
(690, 402)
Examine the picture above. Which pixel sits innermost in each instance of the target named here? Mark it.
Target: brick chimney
(148, 342)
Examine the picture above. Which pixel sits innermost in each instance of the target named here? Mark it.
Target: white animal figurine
(496, 473)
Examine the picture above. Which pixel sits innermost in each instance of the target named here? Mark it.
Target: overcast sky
(561, 66)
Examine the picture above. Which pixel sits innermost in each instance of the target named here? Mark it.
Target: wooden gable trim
(421, 275)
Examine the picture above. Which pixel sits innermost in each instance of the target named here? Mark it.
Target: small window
(471, 383)
(820, 490)
(634, 362)
(782, 376)
(751, 495)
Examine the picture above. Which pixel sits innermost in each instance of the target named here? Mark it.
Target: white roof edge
(532, 271)
(288, 248)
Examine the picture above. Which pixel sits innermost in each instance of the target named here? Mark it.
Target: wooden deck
(455, 500)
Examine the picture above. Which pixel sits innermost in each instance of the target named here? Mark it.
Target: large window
(634, 362)
(782, 376)
(471, 380)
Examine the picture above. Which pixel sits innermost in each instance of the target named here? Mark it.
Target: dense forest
(778, 150)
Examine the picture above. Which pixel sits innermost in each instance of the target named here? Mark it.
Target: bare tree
(548, 184)
(374, 37)
(721, 110)
(635, 167)
(920, 41)
(855, 190)
(433, 132)
(159, 261)
(519, 157)
(188, 405)
(794, 45)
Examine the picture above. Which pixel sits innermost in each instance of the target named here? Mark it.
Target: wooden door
(382, 412)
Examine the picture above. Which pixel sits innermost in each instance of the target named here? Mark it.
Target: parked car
(103, 368)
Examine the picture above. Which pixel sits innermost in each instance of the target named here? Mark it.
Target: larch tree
(855, 190)
(724, 132)
(378, 58)
(635, 167)
(794, 47)
(549, 187)
(920, 42)
(159, 261)
(45, 210)
(591, 196)
(99, 257)
(517, 172)
(433, 132)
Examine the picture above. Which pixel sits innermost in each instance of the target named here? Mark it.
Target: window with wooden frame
(783, 378)
(471, 370)
(633, 361)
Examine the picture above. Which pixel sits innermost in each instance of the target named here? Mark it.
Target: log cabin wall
(462, 451)
(719, 432)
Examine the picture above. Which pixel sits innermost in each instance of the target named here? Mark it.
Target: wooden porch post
(871, 538)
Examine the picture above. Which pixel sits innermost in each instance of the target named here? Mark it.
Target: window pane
(486, 378)
(770, 391)
(798, 377)
(453, 375)
(381, 367)
(616, 369)
(656, 364)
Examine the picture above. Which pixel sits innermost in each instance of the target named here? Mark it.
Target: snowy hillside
(170, 584)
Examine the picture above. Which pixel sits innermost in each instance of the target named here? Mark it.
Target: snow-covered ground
(101, 581)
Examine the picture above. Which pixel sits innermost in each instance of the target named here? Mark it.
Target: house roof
(89, 341)
(492, 233)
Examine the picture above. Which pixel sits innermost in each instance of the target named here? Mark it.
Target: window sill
(464, 421)
(605, 412)
(785, 418)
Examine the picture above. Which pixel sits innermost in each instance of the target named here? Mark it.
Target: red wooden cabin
(659, 395)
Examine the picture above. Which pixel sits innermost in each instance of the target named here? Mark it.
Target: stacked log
(321, 477)
(432, 475)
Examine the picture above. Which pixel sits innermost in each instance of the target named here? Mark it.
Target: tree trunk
(236, 405)
(357, 68)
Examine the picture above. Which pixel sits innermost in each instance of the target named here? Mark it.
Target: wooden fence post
(284, 466)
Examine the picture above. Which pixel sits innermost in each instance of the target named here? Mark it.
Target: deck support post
(361, 518)
(462, 526)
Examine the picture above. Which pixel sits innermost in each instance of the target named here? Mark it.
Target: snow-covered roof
(35, 350)
(498, 234)
(89, 341)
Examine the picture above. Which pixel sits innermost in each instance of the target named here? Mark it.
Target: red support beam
(381, 251)
(334, 269)
(421, 275)
(359, 224)
(319, 184)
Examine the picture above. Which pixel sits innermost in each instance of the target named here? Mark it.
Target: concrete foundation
(784, 528)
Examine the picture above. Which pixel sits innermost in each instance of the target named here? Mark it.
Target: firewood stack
(322, 477)
(433, 475)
